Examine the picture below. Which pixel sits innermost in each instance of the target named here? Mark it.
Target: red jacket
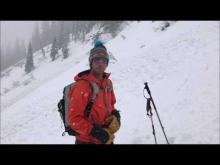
(101, 109)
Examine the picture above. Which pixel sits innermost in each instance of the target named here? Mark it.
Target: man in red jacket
(104, 120)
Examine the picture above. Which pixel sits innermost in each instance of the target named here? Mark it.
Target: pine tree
(43, 52)
(112, 27)
(9, 55)
(63, 39)
(65, 50)
(55, 28)
(3, 57)
(46, 35)
(54, 50)
(29, 65)
(36, 38)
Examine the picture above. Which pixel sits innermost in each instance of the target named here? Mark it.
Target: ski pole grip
(147, 88)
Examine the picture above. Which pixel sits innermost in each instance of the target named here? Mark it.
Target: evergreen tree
(54, 50)
(8, 55)
(46, 35)
(29, 65)
(63, 39)
(62, 35)
(55, 28)
(65, 50)
(36, 38)
(112, 27)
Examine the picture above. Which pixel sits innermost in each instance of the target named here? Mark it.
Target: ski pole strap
(149, 109)
(147, 88)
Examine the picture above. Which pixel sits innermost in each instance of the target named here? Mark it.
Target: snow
(180, 64)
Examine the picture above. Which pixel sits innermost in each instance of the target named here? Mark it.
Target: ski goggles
(101, 59)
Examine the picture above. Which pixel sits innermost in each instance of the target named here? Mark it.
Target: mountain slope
(181, 65)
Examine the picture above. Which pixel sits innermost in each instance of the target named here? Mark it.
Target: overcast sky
(10, 30)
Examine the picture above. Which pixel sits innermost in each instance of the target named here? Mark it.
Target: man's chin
(99, 71)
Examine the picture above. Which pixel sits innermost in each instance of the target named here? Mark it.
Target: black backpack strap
(88, 108)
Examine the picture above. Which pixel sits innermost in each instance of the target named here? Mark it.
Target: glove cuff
(99, 133)
(117, 115)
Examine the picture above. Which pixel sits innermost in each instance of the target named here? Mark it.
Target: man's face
(99, 64)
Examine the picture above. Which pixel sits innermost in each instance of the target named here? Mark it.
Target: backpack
(63, 105)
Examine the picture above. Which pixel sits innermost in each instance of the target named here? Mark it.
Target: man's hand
(102, 134)
(111, 137)
(113, 122)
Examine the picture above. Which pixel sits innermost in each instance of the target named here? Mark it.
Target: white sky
(10, 30)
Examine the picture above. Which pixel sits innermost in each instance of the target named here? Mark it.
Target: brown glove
(113, 124)
(111, 137)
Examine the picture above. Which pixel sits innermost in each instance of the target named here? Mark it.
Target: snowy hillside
(180, 64)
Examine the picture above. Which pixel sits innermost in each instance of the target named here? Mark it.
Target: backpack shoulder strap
(109, 84)
(66, 93)
(95, 91)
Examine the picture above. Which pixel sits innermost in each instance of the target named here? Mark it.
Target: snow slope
(181, 65)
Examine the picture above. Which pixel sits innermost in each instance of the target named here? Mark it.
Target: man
(104, 120)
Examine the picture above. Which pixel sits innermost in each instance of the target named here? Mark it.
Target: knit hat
(99, 50)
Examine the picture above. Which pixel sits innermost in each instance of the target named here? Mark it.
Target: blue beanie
(98, 43)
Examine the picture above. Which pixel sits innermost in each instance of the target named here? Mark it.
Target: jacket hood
(84, 75)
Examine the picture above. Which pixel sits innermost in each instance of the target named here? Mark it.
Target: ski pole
(150, 114)
(151, 99)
